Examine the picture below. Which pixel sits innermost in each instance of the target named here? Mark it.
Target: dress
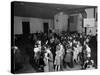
(58, 58)
(75, 53)
(50, 61)
(68, 56)
(88, 52)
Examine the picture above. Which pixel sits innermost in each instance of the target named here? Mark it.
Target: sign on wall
(91, 31)
(89, 22)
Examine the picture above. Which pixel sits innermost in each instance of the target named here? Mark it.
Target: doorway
(26, 28)
(45, 27)
(68, 29)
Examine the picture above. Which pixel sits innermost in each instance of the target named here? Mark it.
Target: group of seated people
(56, 52)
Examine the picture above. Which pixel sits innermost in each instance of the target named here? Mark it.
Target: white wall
(17, 25)
(61, 22)
(90, 14)
(80, 29)
(36, 24)
(77, 24)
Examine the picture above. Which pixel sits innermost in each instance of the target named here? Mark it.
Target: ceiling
(44, 10)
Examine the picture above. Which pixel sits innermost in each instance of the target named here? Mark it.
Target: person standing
(57, 60)
(46, 58)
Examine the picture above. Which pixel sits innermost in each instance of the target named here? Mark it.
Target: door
(26, 28)
(45, 27)
(68, 29)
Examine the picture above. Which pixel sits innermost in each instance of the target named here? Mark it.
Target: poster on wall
(91, 31)
(89, 22)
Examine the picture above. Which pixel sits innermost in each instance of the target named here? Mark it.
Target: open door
(45, 27)
(26, 28)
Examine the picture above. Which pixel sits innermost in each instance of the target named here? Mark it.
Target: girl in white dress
(88, 51)
(57, 58)
(37, 51)
(75, 54)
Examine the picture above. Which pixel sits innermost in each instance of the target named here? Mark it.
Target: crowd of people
(56, 52)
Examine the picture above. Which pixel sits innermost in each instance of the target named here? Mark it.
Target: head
(74, 41)
(78, 42)
(87, 39)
